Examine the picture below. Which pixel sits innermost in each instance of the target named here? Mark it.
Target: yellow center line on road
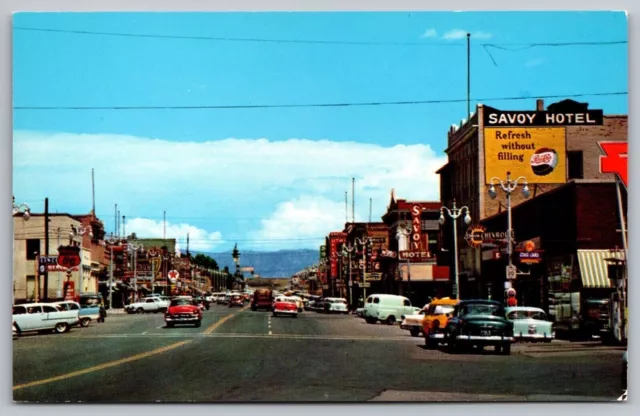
(221, 321)
(101, 366)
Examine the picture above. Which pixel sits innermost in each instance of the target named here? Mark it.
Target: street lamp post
(364, 243)
(26, 214)
(508, 186)
(346, 251)
(455, 213)
(111, 242)
(80, 231)
(135, 248)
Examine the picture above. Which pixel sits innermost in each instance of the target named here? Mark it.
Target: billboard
(537, 153)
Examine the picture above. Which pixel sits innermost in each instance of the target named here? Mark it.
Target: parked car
(285, 306)
(479, 323)
(335, 305)
(86, 312)
(43, 317)
(262, 299)
(14, 330)
(435, 320)
(151, 304)
(413, 323)
(183, 311)
(530, 324)
(387, 308)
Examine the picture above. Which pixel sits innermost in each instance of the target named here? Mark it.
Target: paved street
(240, 355)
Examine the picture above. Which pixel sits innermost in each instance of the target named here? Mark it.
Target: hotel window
(33, 247)
(574, 160)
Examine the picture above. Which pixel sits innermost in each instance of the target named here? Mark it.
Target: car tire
(506, 349)
(61, 327)
(451, 344)
(198, 324)
(371, 321)
(274, 314)
(139, 310)
(431, 344)
(390, 320)
(169, 324)
(295, 315)
(84, 322)
(414, 332)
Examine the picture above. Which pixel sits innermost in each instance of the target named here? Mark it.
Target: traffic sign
(365, 284)
(511, 272)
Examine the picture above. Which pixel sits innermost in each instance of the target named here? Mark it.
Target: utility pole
(93, 193)
(124, 234)
(45, 294)
(110, 277)
(346, 207)
(353, 200)
(370, 206)
(468, 75)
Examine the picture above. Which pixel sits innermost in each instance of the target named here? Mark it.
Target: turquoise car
(86, 312)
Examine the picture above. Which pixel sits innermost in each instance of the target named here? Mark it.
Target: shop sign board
(615, 159)
(536, 153)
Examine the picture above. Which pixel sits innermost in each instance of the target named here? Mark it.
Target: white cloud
(461, 34)
(241, 188)
(430, 33)
(199, 239)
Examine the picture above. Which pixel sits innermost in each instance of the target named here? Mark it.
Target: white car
(530, 324)
(43, 317)
(387, 308)
(152, 304)
(335, 305)
(413, 323)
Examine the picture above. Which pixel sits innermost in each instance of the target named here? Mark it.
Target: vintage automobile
(86, 312)
(14, 330)
(413, 323)
(335, 305)
(284, 305)
(43, 317)
(435, 320)
(530, 324)
(623, 373)
(479, 323)
(183, 310)
(236, 299)
(150, 304)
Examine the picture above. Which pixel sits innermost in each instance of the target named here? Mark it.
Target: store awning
(593, 267)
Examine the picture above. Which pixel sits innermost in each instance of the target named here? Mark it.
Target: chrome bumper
(490, 338)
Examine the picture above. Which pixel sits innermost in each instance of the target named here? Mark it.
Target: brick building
(411, 261)
(577, 225)
(463, 177)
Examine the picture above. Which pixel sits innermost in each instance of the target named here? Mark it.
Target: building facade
(493, 142)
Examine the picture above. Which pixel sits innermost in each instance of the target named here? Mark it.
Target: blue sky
(274, 178)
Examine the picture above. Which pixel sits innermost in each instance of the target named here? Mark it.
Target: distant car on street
(335, 305)
(183, 311)
(284, 305)
(150, 304)
(262, 299)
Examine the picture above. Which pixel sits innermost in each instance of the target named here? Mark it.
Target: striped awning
(593, 267)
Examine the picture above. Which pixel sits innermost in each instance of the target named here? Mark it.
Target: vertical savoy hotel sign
(532, 143)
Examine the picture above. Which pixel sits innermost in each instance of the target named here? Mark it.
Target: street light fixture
(346, 252)
(508, 186)
(80, 231)
(111, 241)
(364, 243)
(455, 213)
(21, 208)
(135, 248)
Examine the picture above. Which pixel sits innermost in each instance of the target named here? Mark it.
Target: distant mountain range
(269, 264)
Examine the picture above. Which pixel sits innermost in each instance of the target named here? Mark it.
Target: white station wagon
(43, 317)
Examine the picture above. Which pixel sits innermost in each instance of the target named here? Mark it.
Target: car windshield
(287, 300)
(538, 315)
(440, 309)
(181, 302)
(481, 309)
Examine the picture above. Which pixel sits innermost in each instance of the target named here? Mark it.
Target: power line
(310, 41)
(360, 104)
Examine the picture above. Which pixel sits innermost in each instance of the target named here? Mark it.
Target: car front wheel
(61, 327)
(198, 324)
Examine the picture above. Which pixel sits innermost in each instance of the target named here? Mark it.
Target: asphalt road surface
(240, 355)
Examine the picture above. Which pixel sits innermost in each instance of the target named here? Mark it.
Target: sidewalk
(564, 346)
(116, 311)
